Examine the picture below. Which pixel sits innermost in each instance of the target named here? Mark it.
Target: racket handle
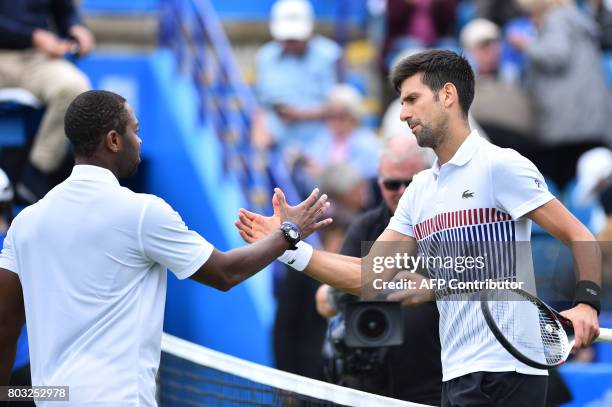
(605, 335)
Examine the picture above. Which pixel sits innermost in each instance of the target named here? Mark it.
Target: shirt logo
(291, 262)
(467, 194)
(538, 183)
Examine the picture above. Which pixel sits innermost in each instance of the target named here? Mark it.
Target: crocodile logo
(467, 194)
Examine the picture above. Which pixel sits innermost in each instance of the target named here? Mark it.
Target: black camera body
(359, 337)
(373, 324)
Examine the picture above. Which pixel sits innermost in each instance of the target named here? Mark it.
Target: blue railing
(192, 30)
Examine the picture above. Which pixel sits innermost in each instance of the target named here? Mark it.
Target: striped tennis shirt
(473, 205)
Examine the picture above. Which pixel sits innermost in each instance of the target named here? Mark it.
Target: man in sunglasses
(400, 160)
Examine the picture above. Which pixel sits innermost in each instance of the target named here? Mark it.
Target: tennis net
(192, 375)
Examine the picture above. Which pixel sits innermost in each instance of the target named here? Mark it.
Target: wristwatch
(291, 233)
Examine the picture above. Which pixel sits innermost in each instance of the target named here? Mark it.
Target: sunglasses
(395, 184)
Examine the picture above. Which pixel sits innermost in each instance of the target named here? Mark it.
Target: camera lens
(372, 324)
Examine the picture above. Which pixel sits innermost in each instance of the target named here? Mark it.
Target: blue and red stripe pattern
(486, 232)
(455, 219)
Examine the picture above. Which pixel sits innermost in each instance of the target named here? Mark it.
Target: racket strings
(530, 327)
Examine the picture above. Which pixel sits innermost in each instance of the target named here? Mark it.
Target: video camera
(359, 336)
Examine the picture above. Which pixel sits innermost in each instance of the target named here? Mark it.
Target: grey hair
(390, 152)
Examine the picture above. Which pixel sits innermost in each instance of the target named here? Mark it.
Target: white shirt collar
(464, 154)
(84, 172)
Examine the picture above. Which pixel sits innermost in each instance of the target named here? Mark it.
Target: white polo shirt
(478, 197)
(92, 257)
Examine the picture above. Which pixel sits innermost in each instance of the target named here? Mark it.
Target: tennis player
(474, 192)
(90, 259)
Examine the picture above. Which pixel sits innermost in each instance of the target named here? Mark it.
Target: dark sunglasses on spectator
(394, 184)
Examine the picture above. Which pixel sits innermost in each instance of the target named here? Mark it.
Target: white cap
(349, 98)
(593, 167)
(6, 190)
(477, 31)
(291, 20)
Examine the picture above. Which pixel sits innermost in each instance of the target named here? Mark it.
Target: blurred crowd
(541, 89)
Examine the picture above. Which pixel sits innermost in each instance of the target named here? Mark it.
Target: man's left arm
(564, 226)
(520, 190)
(12, 318)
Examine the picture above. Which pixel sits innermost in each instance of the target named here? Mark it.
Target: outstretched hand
(254, 227)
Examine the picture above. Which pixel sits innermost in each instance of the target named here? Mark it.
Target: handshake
(345, 273)
(305, 216)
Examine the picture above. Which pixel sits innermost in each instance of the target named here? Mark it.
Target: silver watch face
(293, 233)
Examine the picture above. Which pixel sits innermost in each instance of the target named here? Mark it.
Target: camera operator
(412, 371)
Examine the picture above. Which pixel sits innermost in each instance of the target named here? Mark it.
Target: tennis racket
(530, 330)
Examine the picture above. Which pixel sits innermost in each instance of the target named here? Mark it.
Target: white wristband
(297, 259)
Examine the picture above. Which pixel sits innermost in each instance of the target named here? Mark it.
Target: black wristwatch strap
(289, 229)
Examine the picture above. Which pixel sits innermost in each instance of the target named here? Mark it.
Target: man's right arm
(347, 273)
(341, 272)
(12, 318)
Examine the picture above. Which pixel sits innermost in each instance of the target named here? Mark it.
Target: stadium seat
(15, 106)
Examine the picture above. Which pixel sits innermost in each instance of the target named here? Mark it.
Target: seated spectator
(566, 83)
(295, 73)
(502, 108)
(32, 57)
(418, 24)
(343, 140)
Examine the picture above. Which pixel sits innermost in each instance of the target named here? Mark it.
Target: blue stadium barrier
(331, 11)
(120, 6)
(590, 384)
(353, 12)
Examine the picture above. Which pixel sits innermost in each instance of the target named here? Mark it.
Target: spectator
(418, 24)
(295, 74)
(31, 57)
(602, 12)
(563, 71)
(502, 108)
(343, 140)
(401, 159)
(348, 192)
(498, 11)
